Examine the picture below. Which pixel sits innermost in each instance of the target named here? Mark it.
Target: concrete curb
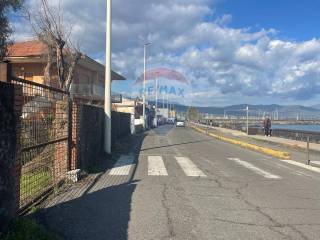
(268, 151)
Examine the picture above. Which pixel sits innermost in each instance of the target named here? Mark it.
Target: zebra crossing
(157, 166)
(255, 169)
(189, 168)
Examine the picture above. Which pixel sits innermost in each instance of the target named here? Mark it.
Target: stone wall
(121, 125)
(60, 163)
(10, 168)
(87, 135)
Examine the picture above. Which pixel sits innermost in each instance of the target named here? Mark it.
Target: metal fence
(231, 124)
(293, 134)
(44, 139)
(298, 135)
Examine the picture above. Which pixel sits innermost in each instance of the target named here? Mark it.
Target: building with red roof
(29, 61)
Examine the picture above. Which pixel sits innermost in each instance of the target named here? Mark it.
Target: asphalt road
(234, 201)
(185, 185)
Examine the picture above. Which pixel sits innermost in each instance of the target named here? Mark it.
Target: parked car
(161, 121)
(180, 123)
(170, 121)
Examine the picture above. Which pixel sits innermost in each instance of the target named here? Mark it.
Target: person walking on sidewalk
(267, 126)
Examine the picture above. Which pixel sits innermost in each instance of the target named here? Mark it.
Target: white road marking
(189, 168)
(122, 166)
(292, 171)
(316, 162)
(303, 165)
(156, 166)
(255, 169)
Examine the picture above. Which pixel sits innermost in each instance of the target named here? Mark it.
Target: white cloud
(217, 59)
(224, 20)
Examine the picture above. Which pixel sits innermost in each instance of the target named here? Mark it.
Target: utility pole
(144, 84)
(156, 122)
(163, 100)
(107, 88)
(247, 120)
(168, 104)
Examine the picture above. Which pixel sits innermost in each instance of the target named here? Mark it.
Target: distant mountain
(274, 110)
(316, 106)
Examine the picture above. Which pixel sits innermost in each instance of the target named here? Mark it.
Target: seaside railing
(299, 135)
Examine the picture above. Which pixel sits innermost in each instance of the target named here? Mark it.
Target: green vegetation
(27, 229)
(193, 114)
(33, 183)
(6, 6)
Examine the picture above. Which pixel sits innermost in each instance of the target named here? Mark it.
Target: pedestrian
(267, 126)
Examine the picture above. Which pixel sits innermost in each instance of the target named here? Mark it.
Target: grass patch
(32, 184)
(27, 229)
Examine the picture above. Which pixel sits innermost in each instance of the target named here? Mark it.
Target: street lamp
(156, 109)
(247, 109)
(144, 83)
(163, 100)
(168, 104)
(107, 88)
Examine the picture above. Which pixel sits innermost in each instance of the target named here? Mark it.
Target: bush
(27, 229)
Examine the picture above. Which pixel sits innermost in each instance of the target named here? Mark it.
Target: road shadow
(177, 144)
(103, 209)
(102, 214)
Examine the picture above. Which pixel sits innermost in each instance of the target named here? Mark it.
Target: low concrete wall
(297, 135)
(269, 151)
(138, 122)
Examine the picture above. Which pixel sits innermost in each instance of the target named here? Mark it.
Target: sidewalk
(296, 149)
(289, 142)
(82, 210)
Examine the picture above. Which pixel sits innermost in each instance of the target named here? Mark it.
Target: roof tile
(27, 49)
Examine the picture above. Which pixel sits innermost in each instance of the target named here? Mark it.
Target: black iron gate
(44, 139)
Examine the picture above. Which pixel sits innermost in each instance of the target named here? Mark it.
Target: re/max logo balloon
(164, 89)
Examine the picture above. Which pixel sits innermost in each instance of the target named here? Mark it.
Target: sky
(230, 51)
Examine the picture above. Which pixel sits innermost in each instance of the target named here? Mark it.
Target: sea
(312, 128)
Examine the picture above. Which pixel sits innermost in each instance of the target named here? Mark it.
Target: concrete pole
(156, 124)
(163, 100)
(168, 105)
(144, 83)
(247, 120)
(144, 87)
(107, 88)
(308, 150)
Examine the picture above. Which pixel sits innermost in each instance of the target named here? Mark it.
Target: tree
(49, 27)
(193, 114)
(5, 29)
